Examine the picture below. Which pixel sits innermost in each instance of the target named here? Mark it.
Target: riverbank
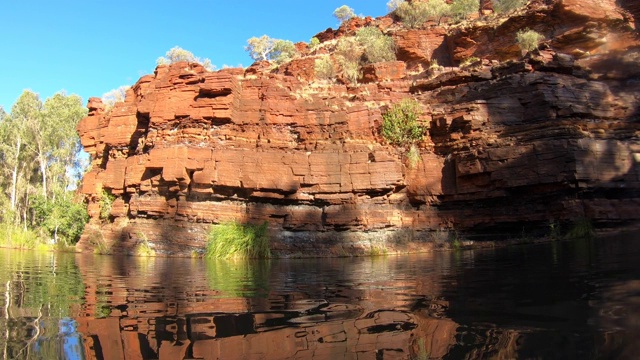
(353, 244)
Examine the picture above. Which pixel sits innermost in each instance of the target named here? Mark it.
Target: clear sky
(90, 47)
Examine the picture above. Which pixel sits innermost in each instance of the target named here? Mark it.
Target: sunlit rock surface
(513, 142)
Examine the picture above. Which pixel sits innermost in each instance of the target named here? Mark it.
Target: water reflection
(41, 294)
(561, 300)
(239, 277)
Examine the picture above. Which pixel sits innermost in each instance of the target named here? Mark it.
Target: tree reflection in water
(42, 294)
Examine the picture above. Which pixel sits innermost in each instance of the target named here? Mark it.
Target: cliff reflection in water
(279, 309)
(560, 300)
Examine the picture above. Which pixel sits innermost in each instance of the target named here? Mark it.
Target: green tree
(25, 115)
(344, 13)
(39, 146)
(5, 172)
(377, 46)
(59, 145)
(283, 51)
(259, 48)
(266, 48)
(177, 54)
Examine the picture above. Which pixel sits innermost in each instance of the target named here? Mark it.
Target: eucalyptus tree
(267, 48)
(344, 13)
(25, 115)
(60, 144)
(38, 147)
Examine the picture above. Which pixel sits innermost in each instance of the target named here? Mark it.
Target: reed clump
(241, 241)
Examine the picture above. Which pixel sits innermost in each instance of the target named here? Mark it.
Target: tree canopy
(267, 48)
(344, 13)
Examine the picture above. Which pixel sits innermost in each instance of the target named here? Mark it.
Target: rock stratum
(514, 144)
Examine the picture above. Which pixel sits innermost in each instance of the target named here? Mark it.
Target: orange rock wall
(549, 137)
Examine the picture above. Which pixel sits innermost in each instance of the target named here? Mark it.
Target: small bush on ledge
(106, 202)
(235, 240)
(506, 6)
(324, 68)
(528, 39)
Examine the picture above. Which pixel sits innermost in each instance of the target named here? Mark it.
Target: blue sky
(90, 47)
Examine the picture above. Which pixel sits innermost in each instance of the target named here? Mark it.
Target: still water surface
(564, 300)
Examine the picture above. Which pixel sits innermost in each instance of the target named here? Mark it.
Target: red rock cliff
(513, 142)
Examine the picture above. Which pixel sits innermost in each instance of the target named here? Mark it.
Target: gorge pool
(566, 300)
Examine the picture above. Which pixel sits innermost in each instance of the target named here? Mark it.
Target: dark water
(565, 300)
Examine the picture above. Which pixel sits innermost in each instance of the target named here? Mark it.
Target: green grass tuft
(100, 245)
(235, 240)
(143, 248)
(16, 237)
(581, 228)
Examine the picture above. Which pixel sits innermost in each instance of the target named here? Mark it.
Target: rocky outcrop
(513, 143)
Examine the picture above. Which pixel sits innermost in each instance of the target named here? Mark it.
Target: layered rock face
(513, 143)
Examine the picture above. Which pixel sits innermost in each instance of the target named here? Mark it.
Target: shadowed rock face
(513, 142)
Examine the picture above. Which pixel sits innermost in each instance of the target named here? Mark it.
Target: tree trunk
(43, 169)
(14, 176)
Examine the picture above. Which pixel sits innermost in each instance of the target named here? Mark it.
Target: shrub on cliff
(412, 15)
(314, 43)
(344, 13)
(460, 9)
(505, 6)
(416, 13)
(324, 68)
(368, 46)
(114, 96)
(177, 54)
(400, 124)
(377, 46)
(266, 48)
(528, 39)
(348, 54)
(235, 240)
(106, 202)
